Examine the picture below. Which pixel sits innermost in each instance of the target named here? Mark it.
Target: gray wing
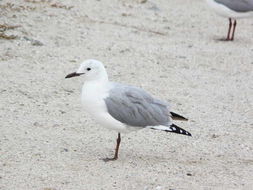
(135, 107)
(238, 5)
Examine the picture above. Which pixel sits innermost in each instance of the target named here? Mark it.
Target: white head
(90, 69)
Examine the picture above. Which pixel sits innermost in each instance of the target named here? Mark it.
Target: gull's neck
(99, 81)
(94, 89)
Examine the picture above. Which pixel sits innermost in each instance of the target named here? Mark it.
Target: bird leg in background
(116, 150)
(233, 33)
(229, 29)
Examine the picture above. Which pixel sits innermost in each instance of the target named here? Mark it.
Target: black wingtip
(175, 129)
(176, 116)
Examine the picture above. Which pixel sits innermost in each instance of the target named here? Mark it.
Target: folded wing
(135, 107)
(237, 5)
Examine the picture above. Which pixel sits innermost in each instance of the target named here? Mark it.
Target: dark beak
(73, 75)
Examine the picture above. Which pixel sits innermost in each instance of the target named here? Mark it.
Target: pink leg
(233, 33)
(229, 29)
(116, 150)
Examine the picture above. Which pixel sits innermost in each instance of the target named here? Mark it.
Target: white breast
(93, 96)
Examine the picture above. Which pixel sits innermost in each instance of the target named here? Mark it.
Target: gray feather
(237, 5)
(135, 107)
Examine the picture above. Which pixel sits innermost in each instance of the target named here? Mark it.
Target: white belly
(226, 12)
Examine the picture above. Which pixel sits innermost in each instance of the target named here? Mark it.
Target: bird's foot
(225, 39)
(109, 159)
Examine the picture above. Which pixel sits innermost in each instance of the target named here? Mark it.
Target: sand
(169, 48)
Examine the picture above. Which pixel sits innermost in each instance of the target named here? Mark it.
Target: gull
(232, 9)
(121, 107)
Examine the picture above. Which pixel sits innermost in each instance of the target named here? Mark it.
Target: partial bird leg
(116, 150)
(233, 33)
(229, 29)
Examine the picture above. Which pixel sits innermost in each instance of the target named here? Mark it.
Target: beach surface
(169, 48)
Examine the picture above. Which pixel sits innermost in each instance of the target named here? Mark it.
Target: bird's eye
(88, 69)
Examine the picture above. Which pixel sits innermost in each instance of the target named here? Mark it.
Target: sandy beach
(169, 48)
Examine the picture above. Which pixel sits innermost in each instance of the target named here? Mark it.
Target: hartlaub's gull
(122, 107)
(232, 9)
